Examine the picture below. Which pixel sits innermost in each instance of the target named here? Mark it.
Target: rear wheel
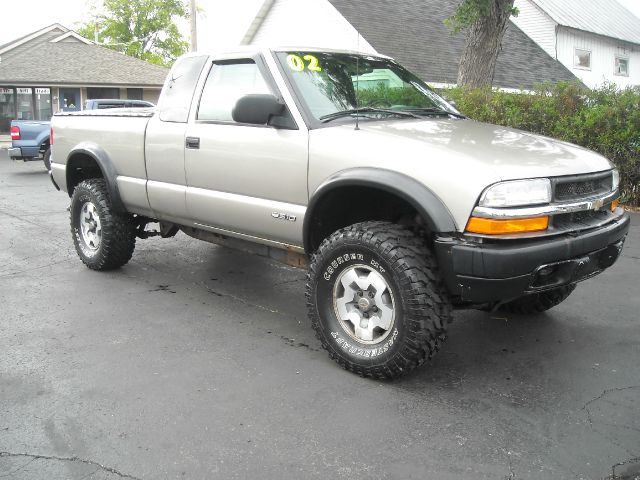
(375, 299)
(104, 239)
(47, 159)
(538, 302)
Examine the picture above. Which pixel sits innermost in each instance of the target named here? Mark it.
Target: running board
(286, 255)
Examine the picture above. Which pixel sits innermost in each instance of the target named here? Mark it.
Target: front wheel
(376, 301)
(104, 239)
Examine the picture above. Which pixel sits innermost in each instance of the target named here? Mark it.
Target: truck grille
(583, 186)
(581, 220)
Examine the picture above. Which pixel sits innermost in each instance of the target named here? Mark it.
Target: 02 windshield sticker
(298, 64)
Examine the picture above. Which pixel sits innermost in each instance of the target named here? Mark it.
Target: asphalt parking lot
(197, 362)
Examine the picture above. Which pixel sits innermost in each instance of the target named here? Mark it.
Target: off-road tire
(421, 303)
(118, 232)
(538, 302)
(46, 158)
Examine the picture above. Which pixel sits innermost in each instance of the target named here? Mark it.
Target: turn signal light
(490, 226)
(614, 205)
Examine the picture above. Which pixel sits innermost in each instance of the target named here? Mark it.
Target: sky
(221, 24)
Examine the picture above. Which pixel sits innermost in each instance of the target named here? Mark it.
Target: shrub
(606, 120)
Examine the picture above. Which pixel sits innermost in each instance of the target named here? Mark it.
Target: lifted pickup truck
(401, 207)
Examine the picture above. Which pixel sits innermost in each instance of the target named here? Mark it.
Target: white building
(598, 40)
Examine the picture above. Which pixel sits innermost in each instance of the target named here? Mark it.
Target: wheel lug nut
(360, 293)
(365, 315)
(375, 309)
(370, 294)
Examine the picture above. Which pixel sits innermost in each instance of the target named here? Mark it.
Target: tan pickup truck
(401, 208)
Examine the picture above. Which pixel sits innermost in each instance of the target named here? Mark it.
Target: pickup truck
(30, 138)
(30, 141)
(346, 164)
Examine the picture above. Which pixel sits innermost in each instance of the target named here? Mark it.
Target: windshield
(340, 85)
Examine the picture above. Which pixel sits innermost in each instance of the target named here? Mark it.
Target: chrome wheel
(90, 226)
(364, 305)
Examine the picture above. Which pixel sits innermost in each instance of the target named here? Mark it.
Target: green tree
(485, 22)
(143, 29)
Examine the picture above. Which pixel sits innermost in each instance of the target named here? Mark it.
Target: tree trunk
(484, 39)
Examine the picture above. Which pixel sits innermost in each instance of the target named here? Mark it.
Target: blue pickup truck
(30, 139)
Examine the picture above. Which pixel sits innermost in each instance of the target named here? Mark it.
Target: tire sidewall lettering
(345, 345)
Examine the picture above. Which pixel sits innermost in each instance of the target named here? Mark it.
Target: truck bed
(118, 134)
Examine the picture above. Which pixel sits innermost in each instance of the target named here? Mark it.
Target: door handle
(193, 142)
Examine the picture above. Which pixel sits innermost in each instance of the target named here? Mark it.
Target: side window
(226, 84)
(177, 93)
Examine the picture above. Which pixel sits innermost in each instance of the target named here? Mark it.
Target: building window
(622, 67)
(134, 93)
(102, 93)
(43, 104)
(7, 108)
(582, 59)
(25, 104)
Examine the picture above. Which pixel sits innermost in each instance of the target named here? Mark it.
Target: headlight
(616, 179)
(516, 193)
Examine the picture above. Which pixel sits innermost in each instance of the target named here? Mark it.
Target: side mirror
(257, 109)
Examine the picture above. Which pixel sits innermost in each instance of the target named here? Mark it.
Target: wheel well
(347, 205)
(81, 167)
(44, 146)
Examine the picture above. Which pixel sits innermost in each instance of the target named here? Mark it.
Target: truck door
(164, 142)
(248, 180)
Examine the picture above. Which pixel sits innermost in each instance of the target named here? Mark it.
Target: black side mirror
(257, 109)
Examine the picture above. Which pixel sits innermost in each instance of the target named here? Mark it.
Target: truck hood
(510, 153)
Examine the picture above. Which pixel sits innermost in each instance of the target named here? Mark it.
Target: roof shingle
(413, 32)
(39, 61)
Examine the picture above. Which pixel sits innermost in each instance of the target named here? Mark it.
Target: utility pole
(194, 32)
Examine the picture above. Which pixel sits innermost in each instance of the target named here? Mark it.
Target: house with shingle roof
(411, 31)
(56, 69)
(598, 41)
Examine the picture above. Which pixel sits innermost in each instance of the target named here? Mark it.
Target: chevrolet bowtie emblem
(597, 204)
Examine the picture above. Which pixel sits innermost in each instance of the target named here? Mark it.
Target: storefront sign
(42, 91)
(24, 91)
(6, 90)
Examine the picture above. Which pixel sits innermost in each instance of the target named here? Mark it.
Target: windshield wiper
(346, 113)
(434, 111)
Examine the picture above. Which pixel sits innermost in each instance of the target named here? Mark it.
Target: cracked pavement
(194, 361)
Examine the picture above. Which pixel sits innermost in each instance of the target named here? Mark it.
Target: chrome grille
(581, 187)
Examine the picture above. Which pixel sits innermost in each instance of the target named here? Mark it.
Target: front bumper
(506, 269)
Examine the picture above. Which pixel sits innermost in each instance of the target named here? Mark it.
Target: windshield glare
(335, 82)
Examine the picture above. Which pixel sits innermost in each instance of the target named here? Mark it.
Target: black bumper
(503, 270)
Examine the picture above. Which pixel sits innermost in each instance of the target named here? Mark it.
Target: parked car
(116, 103)
(401, 208)
(30, 138)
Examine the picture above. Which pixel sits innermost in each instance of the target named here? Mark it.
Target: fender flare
(107, 168)
(42, 138)
(427, 204)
